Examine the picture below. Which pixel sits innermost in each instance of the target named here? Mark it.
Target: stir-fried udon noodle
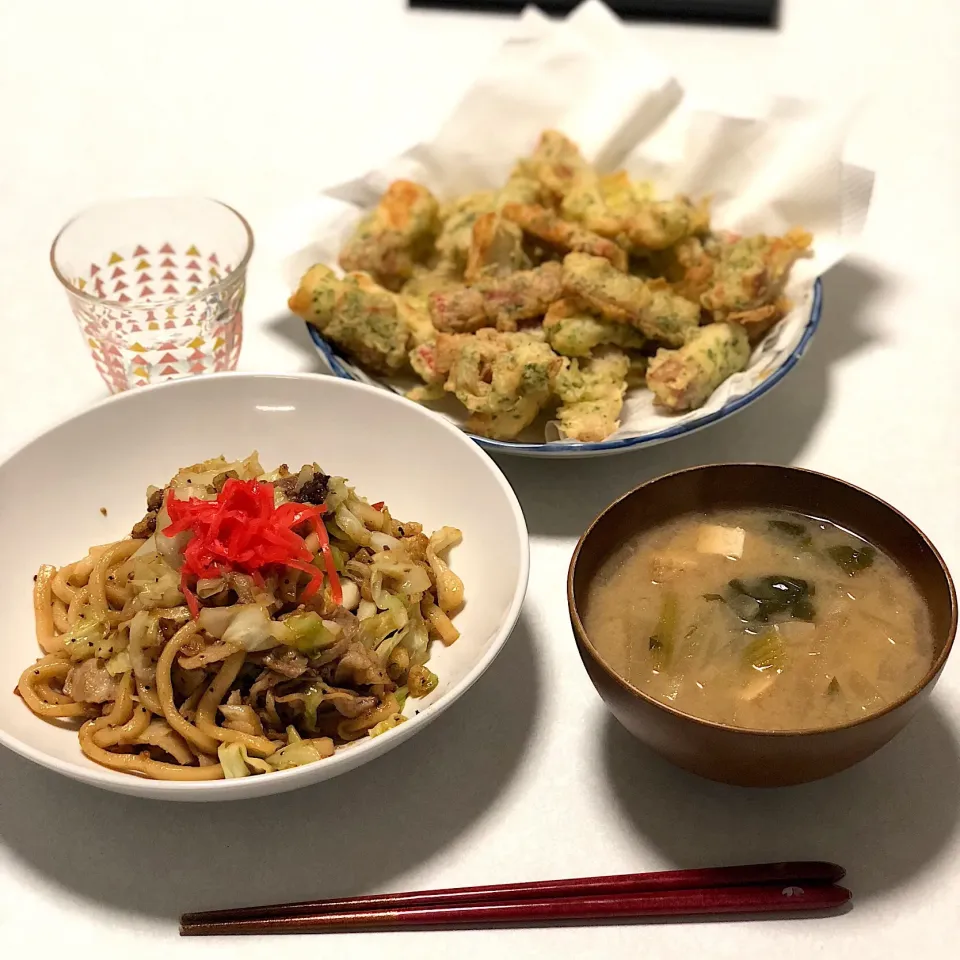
(250, 623)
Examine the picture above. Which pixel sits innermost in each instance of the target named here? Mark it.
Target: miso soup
(761, 619)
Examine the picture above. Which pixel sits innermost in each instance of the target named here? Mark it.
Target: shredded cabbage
(156, 582)
(119, 664)
(236, 762)
(421, 681)
(310, 634)
(383, 541)
(242, 717)
(143, 635)
(416, 640)
(394, 720)
(352, 526)
(370, 516)
(251, 628)
(376, 589)
(337, 492)
(339, 562)
(215, 620)
(366, 609)
(300, 752)
(374, 630)
(202, 475)
(113, 642)
(209, 587)
(170, 548)
(393, 640)
(83, 640)
(409, 577)
(246, 625)
(312, 698)
(148, 547)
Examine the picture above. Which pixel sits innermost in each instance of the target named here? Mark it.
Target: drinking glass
(156, 285)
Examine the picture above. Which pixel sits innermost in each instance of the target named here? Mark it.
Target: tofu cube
(726, 541)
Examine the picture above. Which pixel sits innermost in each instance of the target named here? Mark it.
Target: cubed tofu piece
(726, 541)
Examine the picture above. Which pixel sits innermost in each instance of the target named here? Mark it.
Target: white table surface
(527, 777)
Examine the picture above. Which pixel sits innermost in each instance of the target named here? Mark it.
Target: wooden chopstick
(786, 887)
(712, 901)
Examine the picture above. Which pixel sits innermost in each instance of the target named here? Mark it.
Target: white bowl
(424, 468)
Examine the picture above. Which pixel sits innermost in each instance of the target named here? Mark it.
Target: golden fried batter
(549, 227)
(432, 361)
(683, 379)
(500, 302)
(574, 332)
(554, 163)
(496, 248)
(441, 275)
(558, 286)
(650, 306)
(398, 231)
(591, 395)
(504, 380)
(750, 272)
(314, 299)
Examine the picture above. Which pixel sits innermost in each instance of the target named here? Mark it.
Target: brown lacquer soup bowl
(737, 755)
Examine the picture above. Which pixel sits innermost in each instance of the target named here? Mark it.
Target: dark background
(760, 13)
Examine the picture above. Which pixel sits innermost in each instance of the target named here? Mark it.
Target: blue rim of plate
(336, 364)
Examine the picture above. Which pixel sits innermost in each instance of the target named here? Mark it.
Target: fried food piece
(602, 203)
(316, 296)
(591, 395)
(496, 248)
(757, 322)
(457, 218)
(503, 379)
(442, 275)
(367, 326)
(683, 379)
(459, 215)
(621, 194)
(650, 306)
(414, 313)
(658, 224)
(547, 226)
(522, 295)
(356, 314)
(554, 163)
(366, 321)
(583, 202)
(620, 209)
(520, 188)
(432, 361)
(500, 302)
(573, 331)
(750, 272)
(458, 310)
(688, 265)
(394, 235)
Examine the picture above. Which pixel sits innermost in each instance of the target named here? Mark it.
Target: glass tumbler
(156, 285)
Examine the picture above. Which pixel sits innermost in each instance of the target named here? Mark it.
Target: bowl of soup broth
(760, 625)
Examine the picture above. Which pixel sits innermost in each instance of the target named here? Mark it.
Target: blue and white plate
(772, 360)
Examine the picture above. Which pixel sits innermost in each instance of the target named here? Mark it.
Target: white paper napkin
(585, 76)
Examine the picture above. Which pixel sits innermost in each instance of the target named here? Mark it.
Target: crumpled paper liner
(585, 76)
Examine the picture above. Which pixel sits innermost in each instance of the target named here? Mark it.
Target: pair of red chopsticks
(799, 887)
